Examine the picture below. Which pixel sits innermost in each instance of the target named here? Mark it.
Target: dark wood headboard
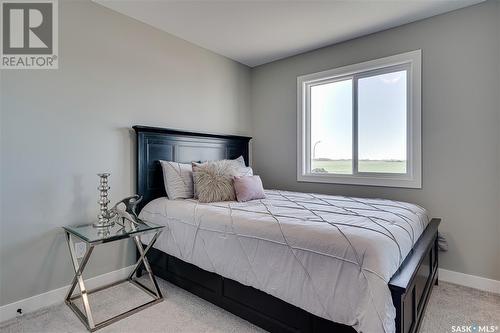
(155, 144)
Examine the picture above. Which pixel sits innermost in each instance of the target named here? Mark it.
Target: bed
(293, 262)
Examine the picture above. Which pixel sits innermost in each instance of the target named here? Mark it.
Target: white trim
(413, 177)
(472, 281)
(56, 296)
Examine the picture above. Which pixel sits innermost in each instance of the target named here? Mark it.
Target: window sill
(370, 180)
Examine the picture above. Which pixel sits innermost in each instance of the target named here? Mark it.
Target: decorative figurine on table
(128, 213)
(107, 217)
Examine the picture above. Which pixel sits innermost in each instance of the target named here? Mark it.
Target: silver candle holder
(103, 219)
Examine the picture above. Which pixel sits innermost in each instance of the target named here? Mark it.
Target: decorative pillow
(178, 179)
(213, 180)
(243, 170)
(240, 160)
(239, 164)
(248, 188)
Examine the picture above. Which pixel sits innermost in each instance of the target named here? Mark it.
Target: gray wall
(60, 127)
(461, 126)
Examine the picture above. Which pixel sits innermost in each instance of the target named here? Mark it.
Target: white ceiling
(257, 32)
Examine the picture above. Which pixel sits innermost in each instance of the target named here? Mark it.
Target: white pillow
(243, 170)
(178, 179)
(240, 160)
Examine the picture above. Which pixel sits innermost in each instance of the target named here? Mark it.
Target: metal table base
(87, 318)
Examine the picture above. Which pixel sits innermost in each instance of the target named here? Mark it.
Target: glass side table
(93, 236)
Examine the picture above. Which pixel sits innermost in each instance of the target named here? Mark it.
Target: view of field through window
(382, 110)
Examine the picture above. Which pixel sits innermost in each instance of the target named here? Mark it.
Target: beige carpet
(451, 305)
(184, 312)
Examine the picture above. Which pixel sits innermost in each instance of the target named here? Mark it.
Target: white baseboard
(56, 296)
(471, 281)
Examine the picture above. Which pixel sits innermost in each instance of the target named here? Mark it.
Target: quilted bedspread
(332, 256)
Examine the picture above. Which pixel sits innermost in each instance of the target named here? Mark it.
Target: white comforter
(329, 255)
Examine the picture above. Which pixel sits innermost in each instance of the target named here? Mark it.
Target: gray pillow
(178, 179)
(213, 180)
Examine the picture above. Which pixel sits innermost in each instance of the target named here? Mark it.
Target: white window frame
(412, 61)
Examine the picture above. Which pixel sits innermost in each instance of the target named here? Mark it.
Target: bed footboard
(412, 284)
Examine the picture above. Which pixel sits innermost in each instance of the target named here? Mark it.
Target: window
(361, 124)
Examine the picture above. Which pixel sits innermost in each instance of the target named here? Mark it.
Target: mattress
(332, 256)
